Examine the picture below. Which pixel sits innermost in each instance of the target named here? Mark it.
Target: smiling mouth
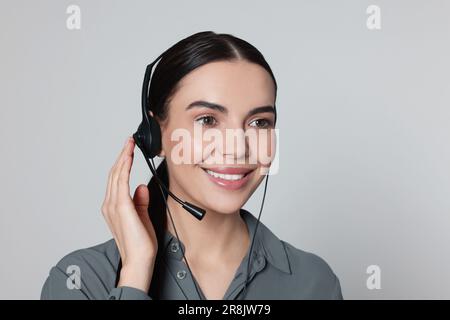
(229, 178)
(229, 173)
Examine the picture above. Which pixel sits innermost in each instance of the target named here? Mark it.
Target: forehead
(238, 84)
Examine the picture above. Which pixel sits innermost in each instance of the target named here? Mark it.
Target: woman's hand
(129, 223)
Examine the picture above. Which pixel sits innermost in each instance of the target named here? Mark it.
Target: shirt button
(181, 274)
(174, 247)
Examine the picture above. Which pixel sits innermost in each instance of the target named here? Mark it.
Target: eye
(261, 123)
(207, 121)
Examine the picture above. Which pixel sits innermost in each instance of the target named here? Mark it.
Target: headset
(148, 139)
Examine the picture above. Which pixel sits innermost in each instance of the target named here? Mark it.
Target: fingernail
(128, 140)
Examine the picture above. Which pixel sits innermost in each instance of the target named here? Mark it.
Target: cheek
(197, 146)
(206, 146)
(190, 146)
(183, 147)
(262, 146)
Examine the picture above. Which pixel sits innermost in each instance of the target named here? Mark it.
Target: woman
(206, 81)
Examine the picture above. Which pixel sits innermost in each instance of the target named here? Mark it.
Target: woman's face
(216, 155)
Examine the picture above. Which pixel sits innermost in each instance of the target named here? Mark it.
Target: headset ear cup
(148, 137)
(141, 136)
(155, 138)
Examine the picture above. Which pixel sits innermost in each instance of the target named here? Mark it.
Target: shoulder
(313, 273)
(301, 274)
(310, 263)
(87, 273)
(100, 255)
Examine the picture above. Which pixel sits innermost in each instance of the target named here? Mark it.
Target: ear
(162, 154)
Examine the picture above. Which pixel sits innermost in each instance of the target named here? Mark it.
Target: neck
(215, 236)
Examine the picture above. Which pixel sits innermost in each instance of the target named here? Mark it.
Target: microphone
(196, 211)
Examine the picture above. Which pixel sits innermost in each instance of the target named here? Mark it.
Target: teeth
(225, 176)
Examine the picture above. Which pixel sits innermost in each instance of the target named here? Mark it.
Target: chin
(223, 206)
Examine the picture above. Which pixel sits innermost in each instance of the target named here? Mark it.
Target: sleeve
(337, 294)
(56, 288)
(93, 283)
(128, 293)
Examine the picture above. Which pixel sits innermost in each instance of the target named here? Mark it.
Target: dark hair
(176, 62)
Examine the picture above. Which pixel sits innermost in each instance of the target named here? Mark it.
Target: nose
(235, 145)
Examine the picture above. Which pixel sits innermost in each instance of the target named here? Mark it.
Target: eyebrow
(222, 109)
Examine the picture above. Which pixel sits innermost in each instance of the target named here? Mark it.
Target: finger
(123, 181)
(129, 150)
(123, 151)
(116, 163)
(141, 200)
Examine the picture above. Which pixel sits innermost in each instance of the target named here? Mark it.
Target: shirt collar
(266, 244)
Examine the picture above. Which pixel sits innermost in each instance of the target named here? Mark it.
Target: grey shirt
(278, 271)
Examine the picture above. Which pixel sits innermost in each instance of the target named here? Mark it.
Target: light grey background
(363, 116)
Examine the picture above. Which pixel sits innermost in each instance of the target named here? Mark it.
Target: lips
(229, 170)
(230, 178)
